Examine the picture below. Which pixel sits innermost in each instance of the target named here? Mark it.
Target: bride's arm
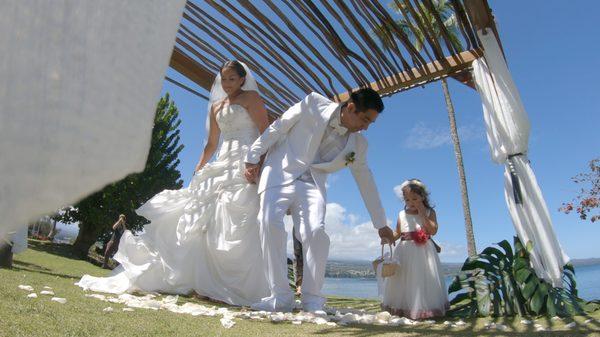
(257, 111)
(212, 142)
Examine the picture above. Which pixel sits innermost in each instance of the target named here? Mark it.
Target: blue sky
(556, 68)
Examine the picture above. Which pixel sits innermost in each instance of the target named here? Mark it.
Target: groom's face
(358, 120)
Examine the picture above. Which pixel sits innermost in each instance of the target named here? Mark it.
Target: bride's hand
(251, 172)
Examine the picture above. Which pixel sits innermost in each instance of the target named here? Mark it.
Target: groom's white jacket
(292, 142)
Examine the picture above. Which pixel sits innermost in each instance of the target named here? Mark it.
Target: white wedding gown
(203, 238)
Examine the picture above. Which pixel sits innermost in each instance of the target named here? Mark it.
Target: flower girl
(417, 289)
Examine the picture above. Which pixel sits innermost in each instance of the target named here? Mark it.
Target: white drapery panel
(79, 82)
(507, 128)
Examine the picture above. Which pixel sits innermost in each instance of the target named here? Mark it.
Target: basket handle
(391, 252)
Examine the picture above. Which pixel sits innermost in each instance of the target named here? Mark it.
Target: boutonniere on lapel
(350, 156)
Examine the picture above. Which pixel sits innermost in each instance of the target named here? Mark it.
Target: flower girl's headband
(413, 182)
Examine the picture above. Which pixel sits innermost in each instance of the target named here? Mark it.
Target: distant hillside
(364, 269)
(585, 262)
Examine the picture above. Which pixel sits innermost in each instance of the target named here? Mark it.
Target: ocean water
(587, 277)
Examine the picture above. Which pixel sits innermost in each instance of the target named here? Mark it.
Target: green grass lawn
(53, 266)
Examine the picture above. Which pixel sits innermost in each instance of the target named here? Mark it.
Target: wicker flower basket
(388, 267)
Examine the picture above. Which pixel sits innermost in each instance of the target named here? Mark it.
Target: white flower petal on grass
(25, 287)
(59, 300)
(32, 295)
(46, 287)
(96, 296)
(366, 319)
(277, 317)
(526, 321)
(539, 327)
(571, 325)
(128, 309)
(227, 323)
(490, 325)
(349, 318)
(108, 309)
(556, 318)
(319, 320)
(402, 321)
(460, 322)
(501, 327)
(296, 322)
(383, 317)
(588, 321)
(46, 292)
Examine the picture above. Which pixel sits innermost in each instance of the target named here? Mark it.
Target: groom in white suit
(313, 138)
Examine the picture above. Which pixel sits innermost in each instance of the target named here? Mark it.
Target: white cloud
(422, 136)
(452, 251)
(349, 239)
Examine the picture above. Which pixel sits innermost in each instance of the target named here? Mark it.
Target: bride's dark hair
(235, 65)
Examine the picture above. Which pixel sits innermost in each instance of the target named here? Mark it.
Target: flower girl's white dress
(417, 289)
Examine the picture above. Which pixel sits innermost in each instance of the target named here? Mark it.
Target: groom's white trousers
(307, 207)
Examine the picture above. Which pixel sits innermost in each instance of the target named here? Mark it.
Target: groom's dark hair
(366, 99)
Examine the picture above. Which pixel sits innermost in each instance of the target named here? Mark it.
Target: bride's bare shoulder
(250, 96)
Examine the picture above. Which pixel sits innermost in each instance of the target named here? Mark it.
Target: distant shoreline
(364, 269)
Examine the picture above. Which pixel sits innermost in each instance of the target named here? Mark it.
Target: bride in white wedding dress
(204, 238)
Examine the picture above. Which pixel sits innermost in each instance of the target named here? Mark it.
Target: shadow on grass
(60, 249)
(24, 266)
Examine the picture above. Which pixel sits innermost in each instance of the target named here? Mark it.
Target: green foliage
(410, 24)
(501, 282)
(97, 212)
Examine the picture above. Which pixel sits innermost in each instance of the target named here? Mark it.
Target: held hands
(198, 167)
(252, 172)
(387, 236)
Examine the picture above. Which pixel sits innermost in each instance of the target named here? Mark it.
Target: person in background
(113, 244)
(298, 262)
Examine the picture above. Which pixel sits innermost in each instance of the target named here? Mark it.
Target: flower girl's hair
(417, 186)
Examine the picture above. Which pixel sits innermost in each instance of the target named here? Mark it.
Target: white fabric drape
(79, 82)
(507, 128)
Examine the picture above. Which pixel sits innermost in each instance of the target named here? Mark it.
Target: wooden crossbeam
(191, 69)
(481, 17)
(435, 70)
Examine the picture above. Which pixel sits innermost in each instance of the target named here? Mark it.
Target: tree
(97, 212)
(588, 199)
(411, 28)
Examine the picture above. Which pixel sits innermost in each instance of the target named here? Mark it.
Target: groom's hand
(387, 235)
(251, 172)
